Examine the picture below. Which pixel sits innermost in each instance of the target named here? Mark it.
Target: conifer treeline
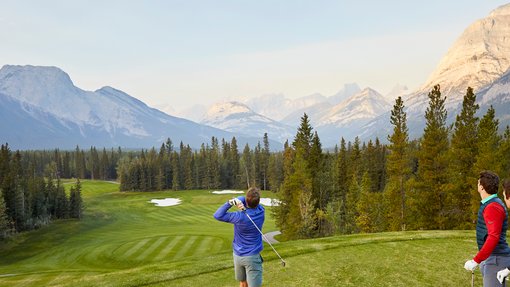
(213, 166)
(28, 200)
(429, 183)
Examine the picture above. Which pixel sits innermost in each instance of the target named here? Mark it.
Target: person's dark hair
(253, 197)
(489, 181)
(506, 187)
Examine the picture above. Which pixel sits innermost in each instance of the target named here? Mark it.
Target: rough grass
(126, 241)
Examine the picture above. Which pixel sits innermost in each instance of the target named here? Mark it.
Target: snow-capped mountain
(238, 118)
(277, 106)
(397, 91)
(365, 105)
(346, 92)
(41, 108)
(345, 119)
(479, 57)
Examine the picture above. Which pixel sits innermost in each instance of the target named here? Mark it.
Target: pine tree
(462, 155)
(75, 201)
(487, 157)
(4, 223)
(235, 163)
(433, 165)
(296, 216)
(504, 154)
(176, 184)
(342, 183)
(214, 163)
(370, 208)
(398, 168)
(265, 154)
(247, 167)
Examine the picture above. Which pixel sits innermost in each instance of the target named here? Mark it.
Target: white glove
(502, 274)
(236, 202)
(470, 265)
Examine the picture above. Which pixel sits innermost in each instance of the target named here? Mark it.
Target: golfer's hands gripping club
(236, 202)
(470, 265)
(502, 274)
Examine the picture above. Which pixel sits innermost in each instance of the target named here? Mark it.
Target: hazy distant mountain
(345, 119)
(238, 118)
(277, 107)
(479, 57)
(194, 113)
(41, 108)
(314, 113)
(397, 91)
(346, 92)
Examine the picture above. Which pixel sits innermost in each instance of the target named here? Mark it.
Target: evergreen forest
(355, 187)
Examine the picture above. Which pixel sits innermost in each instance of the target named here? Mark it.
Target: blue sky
(181, 53)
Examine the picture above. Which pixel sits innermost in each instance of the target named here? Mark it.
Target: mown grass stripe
(30, 280)
(204, 245)
(168, 248)
(135, 248)
(218, 245)
(184, 249)
(151, 248)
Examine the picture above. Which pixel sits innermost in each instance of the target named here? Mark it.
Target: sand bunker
(166, 201)
(269, 201)
(227, 191)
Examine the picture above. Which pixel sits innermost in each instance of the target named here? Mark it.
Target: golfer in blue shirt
(247, 242)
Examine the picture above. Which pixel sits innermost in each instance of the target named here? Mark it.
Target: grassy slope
(125, 241)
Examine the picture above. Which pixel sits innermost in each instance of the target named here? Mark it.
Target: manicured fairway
(126, 241)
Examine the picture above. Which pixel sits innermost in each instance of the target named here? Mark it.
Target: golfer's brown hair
(490, 181)
(506, 187)
(253, 197)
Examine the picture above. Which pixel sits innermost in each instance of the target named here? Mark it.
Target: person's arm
(493, 216)
(222, 215)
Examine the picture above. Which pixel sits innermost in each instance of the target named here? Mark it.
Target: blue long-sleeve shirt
(247, 239)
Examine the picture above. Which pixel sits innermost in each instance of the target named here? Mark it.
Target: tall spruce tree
(296, 215)
(76, 201)
(487, 157)
(234, 162)
(433, 165)
(342, 187)
(265, 163)
(462, 155)
(4, 223)
(366, 217)
(398, 169)
(504, 153)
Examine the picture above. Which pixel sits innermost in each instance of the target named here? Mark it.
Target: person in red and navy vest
(503, 274)
(491, 227)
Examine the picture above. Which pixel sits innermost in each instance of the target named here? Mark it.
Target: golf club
(244, 211)
(472, 279)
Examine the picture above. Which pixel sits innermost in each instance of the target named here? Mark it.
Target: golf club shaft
(263, 236)
(472, 279)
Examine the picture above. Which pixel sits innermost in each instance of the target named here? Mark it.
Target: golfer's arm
(222, 215)
(493, 216)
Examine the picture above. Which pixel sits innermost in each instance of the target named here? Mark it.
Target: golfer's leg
(240, 271)
(254, 271)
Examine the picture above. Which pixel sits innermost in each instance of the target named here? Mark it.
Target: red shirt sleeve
(493, 214)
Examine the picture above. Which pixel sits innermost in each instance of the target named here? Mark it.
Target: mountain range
(41, 108)
(479, 58)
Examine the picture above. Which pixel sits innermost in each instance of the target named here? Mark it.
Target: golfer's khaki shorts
(249, 268)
